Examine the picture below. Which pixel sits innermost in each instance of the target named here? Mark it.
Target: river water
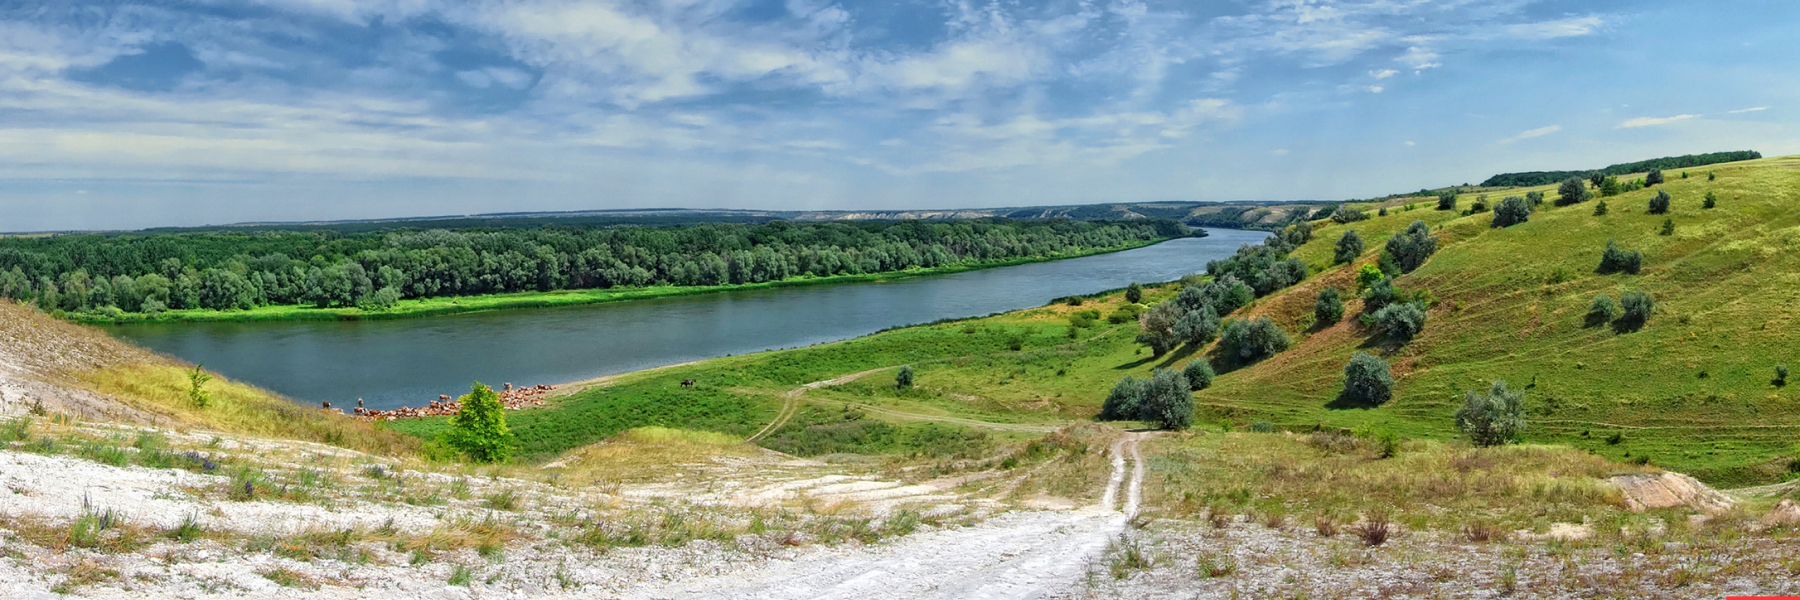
(390, 363)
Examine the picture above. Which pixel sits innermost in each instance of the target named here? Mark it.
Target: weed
(1325, 526)
(1126, 556)
(459, 576)
(1213, 565)
(286, 577)
(1374, 529)
(1480, 532)
(189, 529)
(83, 574)
(15, 430)
(505, 499)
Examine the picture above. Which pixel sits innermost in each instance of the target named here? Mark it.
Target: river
(390, 363)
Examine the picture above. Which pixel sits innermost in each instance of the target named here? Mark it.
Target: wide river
(390, 363)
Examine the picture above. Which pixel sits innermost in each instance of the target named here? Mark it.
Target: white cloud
(1531, 133)
(1383, 73)
(1411, 143)
(1653, 121)
(1419, 58)
(1545, 30)
(1373, 89)
(1747, 110)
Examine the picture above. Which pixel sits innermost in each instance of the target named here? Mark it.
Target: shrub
(1168, 400)
(1199, 374)
(1374, 530)
(1614, 260)
(1511, 211)
(1134, 293)
(1600, 209)
(1379, 295)
(1602, 311)
(1345, 214)
(1654, 177)
(1781, 373)
(1157, 328)
(1494, 418)
(1610, 187)
(1446, 200)
(1329, 308)
(1198, 326)
(904, 379)
(478, 428)
(1597, 178)
(1534, 198)
(1084, 319)
(1634, 309)
(1711, 200)
(1124, 400)
(1367, 381)
(197, 379)
(1668, 227)
(1382, 212)
(1412, 247)
(1480, 204)
(1659, 204)
(1250, 340)
(1400, 320)
(1571, 191)
(379, 300)
(1368, 275)
(1349, 247)
(1124, 314)
(1297, 234)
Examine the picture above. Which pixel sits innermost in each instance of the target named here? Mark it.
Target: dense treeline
(223, 271)
(1685, 161)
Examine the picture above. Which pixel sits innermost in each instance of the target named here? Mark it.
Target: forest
(150, 273)
(1686, 161)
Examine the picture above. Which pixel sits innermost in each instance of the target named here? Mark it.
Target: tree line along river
(390, 363)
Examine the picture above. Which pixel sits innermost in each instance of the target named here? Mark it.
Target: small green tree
(1711, 200)
(1400, 321)
(1157, 328)
(1198, 326)
(1610, 187)
(1349, 246)
(1379, 296)
(1368, 275)
(1367, 381)
(1251, 340)
(1602, 310)
(1446, 200)
(1168, 400)
(1511, 211)
(1654, 177)
(1534, 198)
(1124, 401)
(1494, 418)
(1600, 209)
(1634, 310)
(1328, 309)
(1659, 204)
(904, 379)
(1711, 175)
(1571, 191)
(1199, 374)
(1614, 260)
(478, 428)
(1668, 227)
(197, 379)
(379, 300)
(1781, 373)
(1411, 247)
(1597, 178)
(1134, 293)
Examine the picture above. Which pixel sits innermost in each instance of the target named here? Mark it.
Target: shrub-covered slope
(1691, 391)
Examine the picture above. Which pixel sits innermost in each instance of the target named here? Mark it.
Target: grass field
(423, 307)
(1691, 391)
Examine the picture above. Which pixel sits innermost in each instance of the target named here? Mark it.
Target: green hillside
(1691, 391)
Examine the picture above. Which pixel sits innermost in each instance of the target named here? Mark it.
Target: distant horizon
(170, 114)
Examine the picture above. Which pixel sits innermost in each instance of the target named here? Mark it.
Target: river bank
(427, 307)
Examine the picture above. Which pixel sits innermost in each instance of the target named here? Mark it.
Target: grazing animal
(359, 402)
(687, 383)
(443, 396)
(327, 404)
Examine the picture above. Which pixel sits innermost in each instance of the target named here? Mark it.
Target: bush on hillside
(1634, 310)
(1480, 205)
(1614, 260)
(1600, 209)
(1199, 374)
(1597, 178)
(1659, 204)
(1297, 234)
(1654, 177)
(1512, 210)
(1367, 381)
(1251, 340)
(1571, 191)
(1134, 293)
(1446, 200)
(904, 379)
(1781, 374)
(1602, 311)
(1534, 198)
(1368, 275)
(1411, 247)
(1610, 187)
(1349, 246)
(1168, 400)
(1157, 328)
(1494, 418)
(1379, 295)
(1711, 200)
(1711, 176)
(1198, 326)
(1668, 227)
(1226, 294)
(1124, 401)
(1265, 268)
(478, 429)
(1328, 309)
(1400, 320)
(1382, 212)
(1345, 214)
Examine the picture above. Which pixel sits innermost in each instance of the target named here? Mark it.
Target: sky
(129, 114)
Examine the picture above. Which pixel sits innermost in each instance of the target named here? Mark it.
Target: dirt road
(1016, 556)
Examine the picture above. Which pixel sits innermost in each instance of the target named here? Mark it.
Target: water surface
(397, 362)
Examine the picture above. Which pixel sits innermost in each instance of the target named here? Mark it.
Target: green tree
(1634, 310)
(1654, 177)
(1781, 375)
(904, 379)
(1668, 227)
(1615, 260)
(1379, 295)
(1134, 293)
(1400, 320)
(1659, 204)
(1251, 340)
(1157, 328)
(1571, 191)
(1368, 275)
(1124, 400)
(1600, 209)
(1711, 175)
(1168, 400)
(1602, 310)
(197, 379)
(1199, 374)
(1597, 178)
(1328, 308)
(1367, 381)
(1411, 247)
(1198, 326)
(1494, 418)
(1534, 198)
(1446, 200)
(1349, 246)
(478, 428)
(1610, 187)
(379, 300)
(1711, 200)
(1512, 210)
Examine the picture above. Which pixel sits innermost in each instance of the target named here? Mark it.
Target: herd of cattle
(510, 397)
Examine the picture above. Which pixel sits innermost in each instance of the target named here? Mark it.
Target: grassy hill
(1691, 391)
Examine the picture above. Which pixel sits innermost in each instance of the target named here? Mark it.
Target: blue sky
(126, 114)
